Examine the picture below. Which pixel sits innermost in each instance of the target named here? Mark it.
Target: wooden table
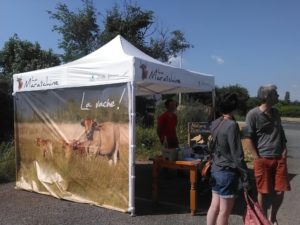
(192, 166)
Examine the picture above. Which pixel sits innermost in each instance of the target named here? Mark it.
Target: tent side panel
(73, 144)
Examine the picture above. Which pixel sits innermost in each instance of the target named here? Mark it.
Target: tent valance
(116, 62)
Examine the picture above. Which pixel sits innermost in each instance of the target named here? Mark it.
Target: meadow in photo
(60, 155)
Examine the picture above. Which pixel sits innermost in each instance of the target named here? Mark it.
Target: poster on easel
(198, 133)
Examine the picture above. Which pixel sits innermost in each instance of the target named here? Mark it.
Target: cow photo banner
(72, 144)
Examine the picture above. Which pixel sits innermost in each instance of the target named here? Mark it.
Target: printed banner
(198, 132)
(73, 144)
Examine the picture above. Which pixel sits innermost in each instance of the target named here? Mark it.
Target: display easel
(198, 128)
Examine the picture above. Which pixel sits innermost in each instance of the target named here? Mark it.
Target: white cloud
(294, 86)
(218, 59)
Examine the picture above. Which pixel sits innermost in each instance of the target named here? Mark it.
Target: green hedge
(7, 162)
(289, 110)
(147, 141)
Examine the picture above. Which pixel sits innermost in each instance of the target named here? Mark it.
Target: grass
(7, 162)
(247, 155)
(148, 145)
(80, 178)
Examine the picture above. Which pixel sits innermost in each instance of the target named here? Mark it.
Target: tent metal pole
(132, 151)
(180, 66)
(213, 93)
(179, 98)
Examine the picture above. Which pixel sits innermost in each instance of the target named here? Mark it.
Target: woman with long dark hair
(228, 165)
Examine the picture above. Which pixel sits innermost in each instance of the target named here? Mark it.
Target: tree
(252, 102)
(242, 93)
(79, 30)
(133, 23)
(81, 34)
(19, 56)
(6, 111)
(136, 25)
(287, 97)
(168, 45)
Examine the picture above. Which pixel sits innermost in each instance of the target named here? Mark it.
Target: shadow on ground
(292, 176)
(174, 195)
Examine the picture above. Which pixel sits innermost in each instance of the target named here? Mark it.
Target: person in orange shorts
(267, 142)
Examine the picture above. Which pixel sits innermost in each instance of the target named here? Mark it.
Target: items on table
(184, 152)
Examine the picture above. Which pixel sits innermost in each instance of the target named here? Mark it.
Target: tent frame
(119, 62)
(132, 148)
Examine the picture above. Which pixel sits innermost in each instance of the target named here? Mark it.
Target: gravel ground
(25, 208)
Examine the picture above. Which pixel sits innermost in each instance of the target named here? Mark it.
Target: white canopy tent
(118, 62)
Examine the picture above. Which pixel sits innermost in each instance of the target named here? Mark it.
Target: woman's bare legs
(214, 209)
(226, 205)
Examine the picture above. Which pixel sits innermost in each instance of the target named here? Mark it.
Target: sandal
(273, 223)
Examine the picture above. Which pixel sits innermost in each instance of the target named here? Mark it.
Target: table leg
(155, 171)
(193, 191)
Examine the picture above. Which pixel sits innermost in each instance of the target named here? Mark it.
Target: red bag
(254, 214)
(206, 169)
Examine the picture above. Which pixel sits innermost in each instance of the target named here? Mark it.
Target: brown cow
(76, 146)
(79, 147)
(67, 147)
(102, 139)
(20, 83)
(45, 146)
(144, 71)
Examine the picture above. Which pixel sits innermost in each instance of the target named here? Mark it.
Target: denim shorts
(225, 183)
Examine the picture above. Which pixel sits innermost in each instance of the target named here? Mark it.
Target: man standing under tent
(166, 125)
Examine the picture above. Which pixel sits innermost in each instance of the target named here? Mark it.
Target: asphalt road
(26, 208)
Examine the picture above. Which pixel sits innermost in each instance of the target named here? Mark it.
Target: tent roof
(116, 49)
(116, 62)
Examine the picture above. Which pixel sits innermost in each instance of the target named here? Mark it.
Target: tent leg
(214, 102)
(132, 213)
(132, 150)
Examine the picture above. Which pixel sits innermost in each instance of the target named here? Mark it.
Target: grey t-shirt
(266, 132)
(228, 152)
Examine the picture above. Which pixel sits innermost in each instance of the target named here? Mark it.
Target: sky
(245, 42)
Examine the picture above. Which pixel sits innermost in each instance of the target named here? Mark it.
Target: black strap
(213, 141)
(216, 130)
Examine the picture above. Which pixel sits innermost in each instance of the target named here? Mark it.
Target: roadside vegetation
(139, 27)
(7, 162)
(81, 33)
(289, 109)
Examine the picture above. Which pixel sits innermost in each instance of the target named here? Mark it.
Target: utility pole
(180, 65)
